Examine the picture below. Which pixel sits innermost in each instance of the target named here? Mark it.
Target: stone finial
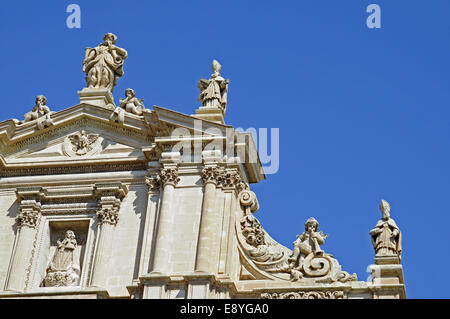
(386, 236)
(103, 64)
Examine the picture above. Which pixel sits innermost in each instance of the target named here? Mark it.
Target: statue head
(311, 224)
(110, 38)
(70, 234)
(216, 67)
(129, 93)
(385, 209)
(41, 100)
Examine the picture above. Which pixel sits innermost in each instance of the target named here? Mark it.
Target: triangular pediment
(82, 135)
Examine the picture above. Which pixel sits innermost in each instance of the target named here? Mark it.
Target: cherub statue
(308, 242)
(82, 142)
(129, 104)
(213, 92)
(39, 110)
(103, 64)
(386, 236)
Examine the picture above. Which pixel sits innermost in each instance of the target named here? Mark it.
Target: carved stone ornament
(386, 236)
(211, 174)
(213, 92)
(307, 262)
(169, 176)
(82, 143)
(153, 183)
(103, 64)
(130, 104)
(305, 295)
(28, 218)
(64, 268)
(109, 215)
(40, 112)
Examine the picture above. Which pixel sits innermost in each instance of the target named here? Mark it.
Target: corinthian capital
(28, 218)
(153, 183)
(169, 176)
(108, 215)
(211, 174)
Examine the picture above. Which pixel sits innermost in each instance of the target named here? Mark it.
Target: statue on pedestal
(64, 270)
(386, 236)
(213, 92)
(104, 63)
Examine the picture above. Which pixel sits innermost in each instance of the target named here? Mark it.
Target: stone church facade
(119, 201)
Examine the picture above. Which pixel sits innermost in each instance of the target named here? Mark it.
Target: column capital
(30, 211)
(169, 176)
(211, 174)
(153, 182)
(108, 215)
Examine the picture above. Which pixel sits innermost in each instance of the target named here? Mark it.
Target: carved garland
(305, 295)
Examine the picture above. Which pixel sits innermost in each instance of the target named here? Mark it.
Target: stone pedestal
(387, 278)
(99, 97)
(213, 114)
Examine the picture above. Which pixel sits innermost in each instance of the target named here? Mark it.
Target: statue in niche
(129, 104)
(103, 64)
(386, 236)
(40, 112)
(63, 269)
(213, 92)
(307, 243)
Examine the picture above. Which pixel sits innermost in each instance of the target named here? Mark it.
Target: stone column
(107, 216)
(206, 260)
(27, 221)
(169, 179)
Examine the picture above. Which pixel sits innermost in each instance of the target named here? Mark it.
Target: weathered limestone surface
(152, 203)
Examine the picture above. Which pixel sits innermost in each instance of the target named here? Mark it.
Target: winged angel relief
(307, 262)
(81, 143)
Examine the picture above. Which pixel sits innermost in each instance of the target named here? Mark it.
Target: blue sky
(363, 113)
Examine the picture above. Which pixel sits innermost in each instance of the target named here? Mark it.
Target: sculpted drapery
(104, 63)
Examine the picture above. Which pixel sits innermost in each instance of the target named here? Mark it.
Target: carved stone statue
(130, 104)
(104, 63)
(63, 269)
(213, 92)
(386, 236)
(308, 242)
(40, 112)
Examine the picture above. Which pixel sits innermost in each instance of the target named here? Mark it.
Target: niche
(63, 253)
